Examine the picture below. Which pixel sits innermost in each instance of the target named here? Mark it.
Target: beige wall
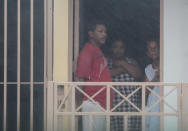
(62, 49)
(62, 44)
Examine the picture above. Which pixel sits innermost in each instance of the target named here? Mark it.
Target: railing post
(184, 107)
(179, 104)
(143, 106)
(50, 106)
(125, 123)
(162, 108)
(108, 107)
(90, 122)
(73, 107)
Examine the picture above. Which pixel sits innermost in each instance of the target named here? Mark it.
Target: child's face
(99, 35)
(153, 50)
(118, 49)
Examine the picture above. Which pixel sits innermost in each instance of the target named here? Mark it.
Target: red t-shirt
(92, 65)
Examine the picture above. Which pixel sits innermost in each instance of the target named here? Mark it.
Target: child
(92, 67)
(152, 75)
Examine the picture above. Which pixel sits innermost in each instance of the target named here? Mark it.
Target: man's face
(98, 35)
(153, 50)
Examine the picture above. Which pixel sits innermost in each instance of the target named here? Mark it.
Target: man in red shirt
(92, 67)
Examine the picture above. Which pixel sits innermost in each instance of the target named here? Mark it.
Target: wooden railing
(65, 111)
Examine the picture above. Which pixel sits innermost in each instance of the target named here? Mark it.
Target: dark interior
(134, 21)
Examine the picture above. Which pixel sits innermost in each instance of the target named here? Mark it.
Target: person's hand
(121, 70)
(157, 76)
(120, 63)
(116, 64)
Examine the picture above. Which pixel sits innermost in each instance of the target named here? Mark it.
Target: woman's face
(153, 50)
(118, 49)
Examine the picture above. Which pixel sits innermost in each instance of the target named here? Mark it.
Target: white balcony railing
(64, 113)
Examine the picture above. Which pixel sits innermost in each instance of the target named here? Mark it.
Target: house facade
(39, 50)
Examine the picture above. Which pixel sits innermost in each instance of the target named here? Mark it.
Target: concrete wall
(175, 49)
(175, 40)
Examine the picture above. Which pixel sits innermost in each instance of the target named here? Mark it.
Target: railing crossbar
(118, 113)
(90, 98)
(127, 98)
(161, 98)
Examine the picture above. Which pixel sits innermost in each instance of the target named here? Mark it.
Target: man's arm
(84, 65)
(79, 95)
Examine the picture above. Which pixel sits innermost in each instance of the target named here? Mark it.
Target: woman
(152, 75)
(124, 69)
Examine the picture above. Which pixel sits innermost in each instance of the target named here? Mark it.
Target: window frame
(74, 13)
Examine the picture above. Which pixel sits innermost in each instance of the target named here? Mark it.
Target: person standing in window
(92, 67)
(124, 69)
(152, 74)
